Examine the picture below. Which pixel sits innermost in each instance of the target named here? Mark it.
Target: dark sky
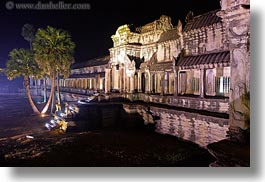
(91, 29)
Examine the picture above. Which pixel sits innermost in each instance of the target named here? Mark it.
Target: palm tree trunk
(44, 90)
(51, 95)
(30, 45)
(52, 103)
(58, 90)
(33, 106)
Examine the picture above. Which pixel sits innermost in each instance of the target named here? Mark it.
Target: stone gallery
(200, 66)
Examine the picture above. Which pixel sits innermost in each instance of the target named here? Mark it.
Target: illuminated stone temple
(200, 69)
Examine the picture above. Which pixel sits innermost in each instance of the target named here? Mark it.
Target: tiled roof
(162, 66)
(169, 35)
(92, 62)
(203, 20)
(206, 59)
(87, 75)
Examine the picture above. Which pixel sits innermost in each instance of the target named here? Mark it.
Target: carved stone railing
(207, 104)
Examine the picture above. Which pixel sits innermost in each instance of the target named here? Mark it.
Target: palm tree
(22, 63)
(28, 32)
(54, 51)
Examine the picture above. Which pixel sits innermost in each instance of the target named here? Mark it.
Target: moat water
(197, 128)
(106, 134)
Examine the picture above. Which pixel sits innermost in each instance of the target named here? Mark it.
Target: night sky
(91, 29)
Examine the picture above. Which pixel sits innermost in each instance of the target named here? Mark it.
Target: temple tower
(236, 16)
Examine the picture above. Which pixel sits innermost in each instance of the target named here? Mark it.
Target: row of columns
(217, 84)
(202, 82)
(86, 83)
(155, 82)
(160, 82)
(116, 79)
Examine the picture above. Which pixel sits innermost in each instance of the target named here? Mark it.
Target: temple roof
(203, 20)
(205, 59)
(169, 35)
(163, 23)
(92, 62)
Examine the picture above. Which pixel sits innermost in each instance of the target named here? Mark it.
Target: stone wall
(197, 128)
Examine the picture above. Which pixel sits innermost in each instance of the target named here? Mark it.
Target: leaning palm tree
(54, 51)
(22, 63)
(28, 33)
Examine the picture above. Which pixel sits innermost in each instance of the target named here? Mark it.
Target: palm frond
(21, 63)
(54, 50)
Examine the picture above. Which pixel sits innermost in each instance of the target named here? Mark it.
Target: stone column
(171, 83)
(121, 76)
(155, 76)
(162, 83)
(85, 82)
(131, 84)
(166, 83)
(202, 82)
(125, 79)
(107, 80)
(96, 82)
(139, 81)
(176, 82)
(90, 83)
(147, 82)
(236, 17)
(135, 79)
(82, 84)
(128, 84)
(151, 84)
(110, 79)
